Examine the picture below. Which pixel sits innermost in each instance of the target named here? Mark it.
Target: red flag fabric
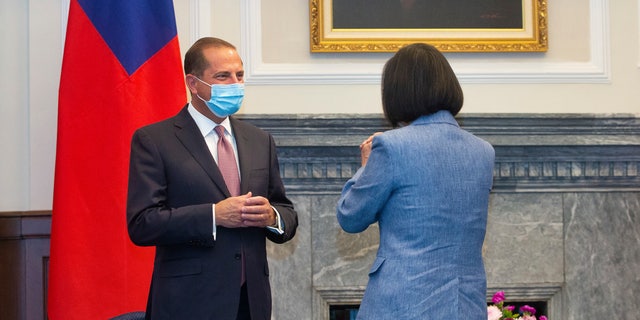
(121, 70)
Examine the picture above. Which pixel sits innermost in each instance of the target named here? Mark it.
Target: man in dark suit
(209, 229)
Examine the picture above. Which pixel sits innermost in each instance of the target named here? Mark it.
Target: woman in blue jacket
(426, 183)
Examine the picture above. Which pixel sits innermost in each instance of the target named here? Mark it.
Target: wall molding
(258, 72)
(324, 297)
(549, 292)
(199, 19)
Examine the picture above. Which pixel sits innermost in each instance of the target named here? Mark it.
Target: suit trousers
(243, 307)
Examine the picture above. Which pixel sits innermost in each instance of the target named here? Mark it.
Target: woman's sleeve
(365, 194)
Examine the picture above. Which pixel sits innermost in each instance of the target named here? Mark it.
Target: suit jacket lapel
(189, 135)
(244, 153)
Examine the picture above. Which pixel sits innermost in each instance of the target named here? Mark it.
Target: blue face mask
(226, 99)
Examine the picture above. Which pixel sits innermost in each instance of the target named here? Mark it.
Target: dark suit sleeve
(151, 219)
(277, 197)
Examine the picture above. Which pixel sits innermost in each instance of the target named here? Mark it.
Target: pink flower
(493, 313)
(499, 311)
(528, 310)
(498, 297)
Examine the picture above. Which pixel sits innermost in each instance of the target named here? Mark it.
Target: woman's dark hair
(194, 61)
(416, 81)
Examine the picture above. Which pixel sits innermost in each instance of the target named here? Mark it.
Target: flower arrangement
(498, 311)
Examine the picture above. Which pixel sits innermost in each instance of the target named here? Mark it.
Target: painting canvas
(450, 25)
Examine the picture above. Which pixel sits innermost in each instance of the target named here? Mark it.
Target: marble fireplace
(563, 229)
(564, 218)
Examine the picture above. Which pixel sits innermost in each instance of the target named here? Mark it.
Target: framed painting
(449, 25)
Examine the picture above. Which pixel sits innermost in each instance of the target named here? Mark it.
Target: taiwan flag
(121, 70)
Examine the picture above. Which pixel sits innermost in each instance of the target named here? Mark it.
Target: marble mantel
(533, 152)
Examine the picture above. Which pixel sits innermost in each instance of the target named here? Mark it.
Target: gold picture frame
(528, 35)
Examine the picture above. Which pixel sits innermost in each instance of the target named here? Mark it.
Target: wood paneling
(24, 256)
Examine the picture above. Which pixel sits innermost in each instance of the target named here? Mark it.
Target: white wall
(592, 66)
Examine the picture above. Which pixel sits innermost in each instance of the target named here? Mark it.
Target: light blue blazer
(427, 186)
